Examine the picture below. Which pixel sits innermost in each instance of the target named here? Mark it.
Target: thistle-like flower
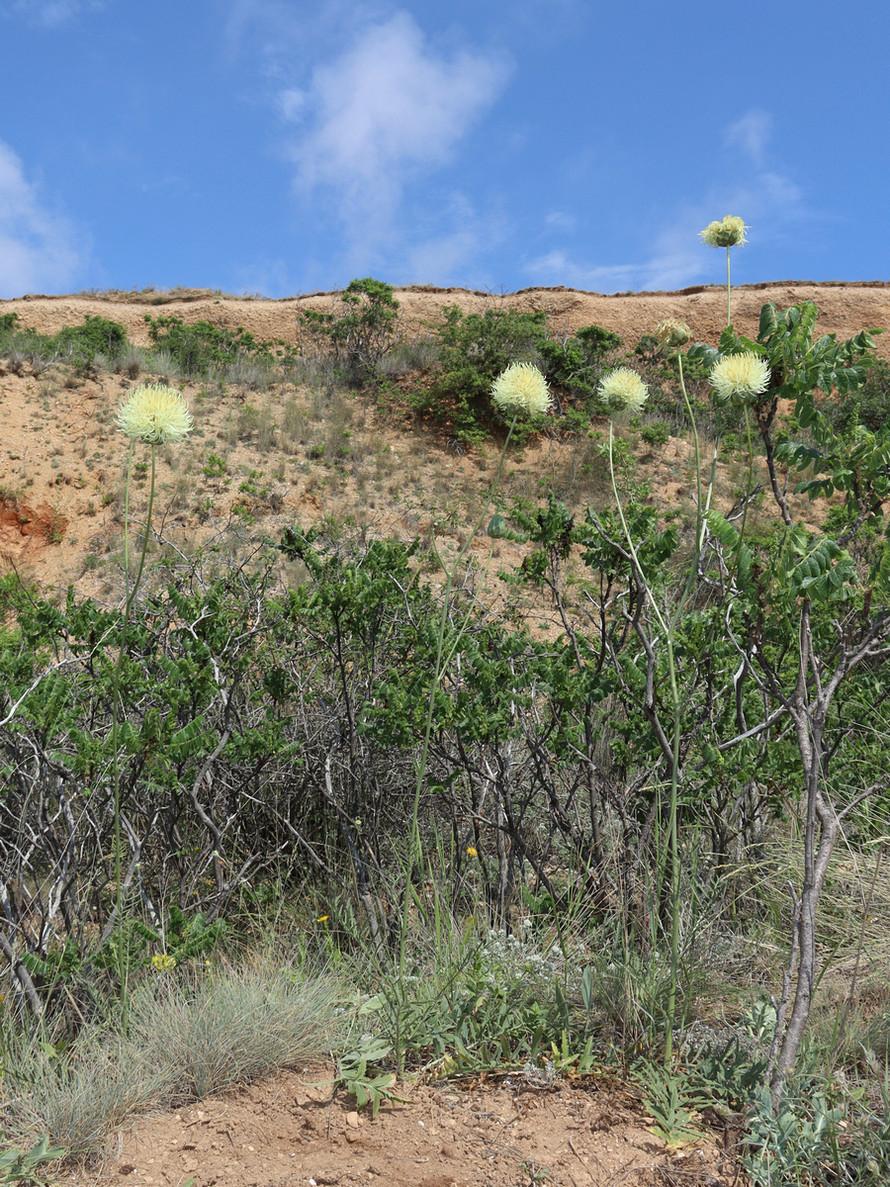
(521, 390)
(672, 333)
(155, 414)
(728, 232)
(623, 390)
(739, 379)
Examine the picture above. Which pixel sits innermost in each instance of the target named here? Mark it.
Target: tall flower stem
(728, 292)
(672, 839)
(154, 414)
(131, 591)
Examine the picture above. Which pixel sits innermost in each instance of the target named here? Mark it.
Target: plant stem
(115, 707)
(673, 840)
(728, 292)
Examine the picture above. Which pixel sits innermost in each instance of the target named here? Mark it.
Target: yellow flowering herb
(622, 390)
(521, 390)
(155, 414)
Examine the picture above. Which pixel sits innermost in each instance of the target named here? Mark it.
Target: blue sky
(280, 147)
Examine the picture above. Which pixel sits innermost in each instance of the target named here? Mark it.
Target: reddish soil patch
(285, 1131)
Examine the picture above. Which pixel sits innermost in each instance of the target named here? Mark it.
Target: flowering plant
(521, 390)
(672, 333)
(739, 379)
(726, 232)
(155, 414)
(623, 390)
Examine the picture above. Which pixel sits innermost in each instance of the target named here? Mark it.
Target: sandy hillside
(844, 308)
(260, 459)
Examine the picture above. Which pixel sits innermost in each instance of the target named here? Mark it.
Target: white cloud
(388, 110)
(751, 134)
(37, 249)
(560, 220)
(52, 13)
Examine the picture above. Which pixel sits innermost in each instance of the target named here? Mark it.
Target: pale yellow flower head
(728, 232)
(739, 379)
(155, 414)
(521, 390)
(672, 333)
(622, 390)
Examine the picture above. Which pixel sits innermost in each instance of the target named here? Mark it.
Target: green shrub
(870, 406)
(575, 364)
(95, 335)
(473, 350)
(356, 337)
(656, 433)
(203, 348)
(80, 344)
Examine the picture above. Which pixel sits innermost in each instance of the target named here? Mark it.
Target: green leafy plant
(359, 333)
(793, 1143)
(674, 1104)
(202, 348)
(96, 335)
(656, 433)
(474, 349)
(360, 1080)
(214, 466)
(23, 1166)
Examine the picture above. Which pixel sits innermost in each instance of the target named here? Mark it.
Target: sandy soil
(514, 1132)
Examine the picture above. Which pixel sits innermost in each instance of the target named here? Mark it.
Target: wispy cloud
(388, 110)
(52, 13)
(37, 248)
(757, 190)
(751, 134)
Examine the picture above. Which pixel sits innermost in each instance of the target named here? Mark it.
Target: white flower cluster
(739, 380)
(155, 414)
(726, 232)
(521, 390)
(622, 390)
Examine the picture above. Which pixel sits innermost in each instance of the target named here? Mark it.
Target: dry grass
(186, 1037)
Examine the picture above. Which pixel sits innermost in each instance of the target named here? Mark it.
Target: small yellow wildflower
(322, 919)
(471, 852)
(163, 963)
